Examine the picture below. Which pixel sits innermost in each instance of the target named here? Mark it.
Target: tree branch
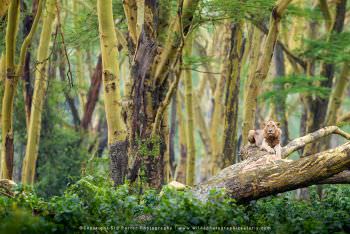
(92, 96)
(289, 54)
(340, 178)
(300, 142)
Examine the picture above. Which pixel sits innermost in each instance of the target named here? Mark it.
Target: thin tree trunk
(191, 149)
(7, 150)
(180, 173)
(79, 66)
(215, 129)
(249, 110)
(92, 95)
(279, 101)
(40, 87)
(117, 136)
(337, 96)
(26, 78)
(172, 134)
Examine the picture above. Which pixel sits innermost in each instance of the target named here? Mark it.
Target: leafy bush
(93, 202)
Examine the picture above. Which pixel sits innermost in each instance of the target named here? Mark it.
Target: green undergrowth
(93, 205)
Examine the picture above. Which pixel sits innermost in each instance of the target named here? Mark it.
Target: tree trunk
(180, 174)
(9, 92)
(336, 98)
(232, 94)
(117, 136)
(150, 68)
(279, 101)
(191, 149)
(249, 110)
(79, 65)
(40, 86)
(172, 134)
(215, 129)
(92, 96)
(26, 78)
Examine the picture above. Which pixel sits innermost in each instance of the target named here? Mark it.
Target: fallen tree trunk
(258, 176)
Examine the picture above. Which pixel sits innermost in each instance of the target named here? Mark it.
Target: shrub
(94, 202)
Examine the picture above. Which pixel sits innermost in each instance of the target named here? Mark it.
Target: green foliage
(308, 12)
(149, 147)
(296, 84)
(237, 9)
(287, 215)
(335, 50)
(94, 202)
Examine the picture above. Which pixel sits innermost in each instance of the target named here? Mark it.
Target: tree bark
(231, 100)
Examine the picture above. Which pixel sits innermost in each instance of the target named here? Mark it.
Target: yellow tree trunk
(79, 66)
(117, 136)
(40, 87)
(2, 84)
(218, 99)
(130, 9)
(2, 68)
(250, 86)
(191, 151)
(10, 88)
(337, 95)
(12, 79)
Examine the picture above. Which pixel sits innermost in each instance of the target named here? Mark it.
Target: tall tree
(40, 87)
(117, 135)
(191, 150)
(231, 100)
(7, 105)
(11, 81)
